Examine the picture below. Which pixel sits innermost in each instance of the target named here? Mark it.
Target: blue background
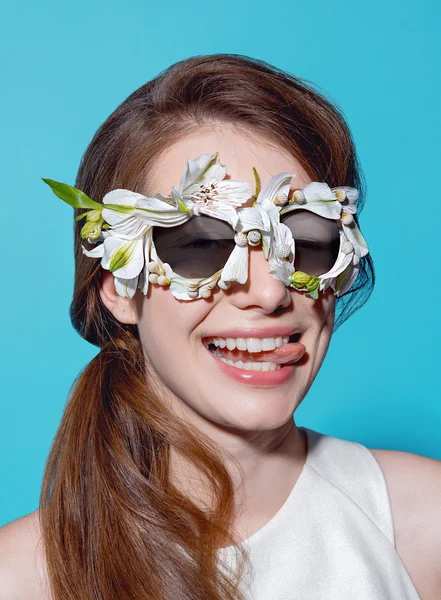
(66, 66)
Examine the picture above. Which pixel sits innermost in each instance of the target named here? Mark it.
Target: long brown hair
(113, 525)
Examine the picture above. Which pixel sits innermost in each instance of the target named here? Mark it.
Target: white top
(333, 538)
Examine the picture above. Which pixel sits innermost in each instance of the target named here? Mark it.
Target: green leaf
(72, 195)
(313, 294)
(79, 217)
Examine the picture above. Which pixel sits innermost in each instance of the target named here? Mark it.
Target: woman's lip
(259, 378)
(259, 333)
(255, 378)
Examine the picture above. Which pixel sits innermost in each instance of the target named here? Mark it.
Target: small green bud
(91, 229)
(94, 215)
(312, 283)
(299, 279)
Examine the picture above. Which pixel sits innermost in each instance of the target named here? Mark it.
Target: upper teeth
(250, 344)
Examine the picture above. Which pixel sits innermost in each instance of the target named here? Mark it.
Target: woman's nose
(261, 290)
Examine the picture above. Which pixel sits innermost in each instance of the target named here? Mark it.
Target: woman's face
(174, 333)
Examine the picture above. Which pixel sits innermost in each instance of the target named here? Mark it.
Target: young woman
(223, 253)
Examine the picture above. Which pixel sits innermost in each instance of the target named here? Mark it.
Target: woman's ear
(122, 308)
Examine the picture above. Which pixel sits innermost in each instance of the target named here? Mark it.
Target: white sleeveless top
(333, 538)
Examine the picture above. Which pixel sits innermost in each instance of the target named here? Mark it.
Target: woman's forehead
(239, 152)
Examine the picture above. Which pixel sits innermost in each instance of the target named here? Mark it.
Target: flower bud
(153, 278)
(352, 195)
(340, 194)
(205, 292)
(254, 237)
(241, 239)
(281, 199)
(153, 267)
(162, 280)
(346, 218)
(312, 284)
(299, 279)
(224, 285)
(298, 196)
(91, 229)
(192, 293)
(283, 251)
(347, 247)
(93, 215)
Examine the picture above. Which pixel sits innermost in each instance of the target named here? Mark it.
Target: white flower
(280, 236)
(343, 263)
(125, 248)
(204, 190)
(126, 244)
(348, 209)
(263, 216)
(319, 199)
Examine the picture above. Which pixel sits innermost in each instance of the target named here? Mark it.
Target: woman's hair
(113, 524)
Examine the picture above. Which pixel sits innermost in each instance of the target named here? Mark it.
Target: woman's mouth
(257, 361)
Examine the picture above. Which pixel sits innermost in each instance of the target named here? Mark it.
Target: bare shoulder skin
(414, 485)
(22, 568)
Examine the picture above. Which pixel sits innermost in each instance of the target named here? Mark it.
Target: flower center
(206, 193)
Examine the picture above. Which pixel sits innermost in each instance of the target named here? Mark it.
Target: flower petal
(232, 192)
(279, 183)
(329, 210)
(256, 218)
(317, 190)
(281, 270)
(253, 218)
(225, 213)
(95, 252)
(119, 198)
(143, 282)
(206, 168)
(346, 278)
(126, 287)
(354, 235)
(157, 212)
(342, 261)
(129, 228)
(282, 235)
(122, 197)
(125, 258)
(236, 267)
(178, 287)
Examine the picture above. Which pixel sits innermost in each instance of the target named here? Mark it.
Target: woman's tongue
(286, 353)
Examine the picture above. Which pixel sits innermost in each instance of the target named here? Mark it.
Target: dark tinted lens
(196, 249)
(316, 239)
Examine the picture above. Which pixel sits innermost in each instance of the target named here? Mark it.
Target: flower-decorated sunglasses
(197, 237)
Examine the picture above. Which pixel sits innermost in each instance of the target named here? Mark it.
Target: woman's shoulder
(22, 568)
(414, 486)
